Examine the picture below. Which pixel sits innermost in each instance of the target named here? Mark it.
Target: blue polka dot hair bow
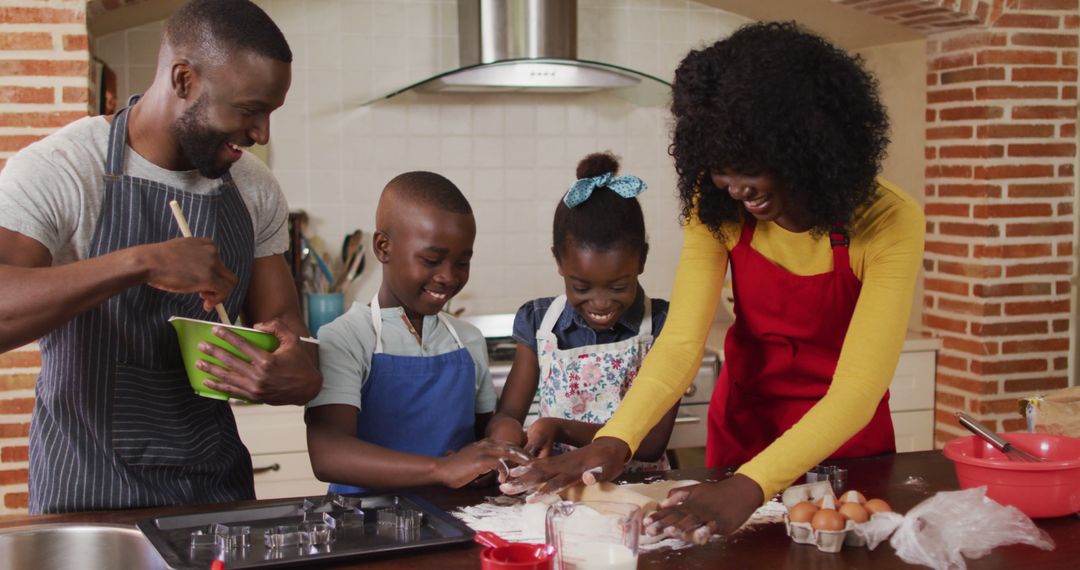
(625, 186)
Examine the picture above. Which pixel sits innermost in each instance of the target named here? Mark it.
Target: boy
(403, 383)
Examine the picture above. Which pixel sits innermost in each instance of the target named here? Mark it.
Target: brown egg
(877, 506)
(852, 496)
(827, 519)
(802, 512)
(854, 512)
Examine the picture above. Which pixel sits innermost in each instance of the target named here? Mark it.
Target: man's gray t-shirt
(53, 190)
(347, 344)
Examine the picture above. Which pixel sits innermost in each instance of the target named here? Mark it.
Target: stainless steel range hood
(530, 46)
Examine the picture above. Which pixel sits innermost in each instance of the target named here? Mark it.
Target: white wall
(901, 72)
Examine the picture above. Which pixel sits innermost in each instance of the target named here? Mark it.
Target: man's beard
(201, 145)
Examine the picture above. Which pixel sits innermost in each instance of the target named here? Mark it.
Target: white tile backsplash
(513, 155)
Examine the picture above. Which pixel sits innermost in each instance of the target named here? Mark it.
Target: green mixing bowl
(191, 332)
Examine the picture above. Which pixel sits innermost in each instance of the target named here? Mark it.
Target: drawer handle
(687, 420)
(269, 468)
(690, 391)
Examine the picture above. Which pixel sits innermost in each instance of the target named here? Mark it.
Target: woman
(778, 142)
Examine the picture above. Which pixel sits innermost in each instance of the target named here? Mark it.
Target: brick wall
(1001, 157)
(44, 66)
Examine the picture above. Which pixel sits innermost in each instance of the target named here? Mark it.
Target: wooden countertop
(763, 546)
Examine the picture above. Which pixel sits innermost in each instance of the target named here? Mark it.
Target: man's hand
(286, 376)
(188, 265)
(699, 511)
(553, 474)
(458, 469)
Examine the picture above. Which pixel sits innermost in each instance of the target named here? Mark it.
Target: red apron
(781, 353)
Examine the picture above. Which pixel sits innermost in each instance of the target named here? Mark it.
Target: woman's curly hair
(773, 98)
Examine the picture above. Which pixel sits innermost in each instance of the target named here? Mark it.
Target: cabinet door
(284, 475)
(271, 429)
(912, 386)
(914, 430)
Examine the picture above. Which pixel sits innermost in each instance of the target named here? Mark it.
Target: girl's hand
(553, 474)
(541, 435)
(696, 512)
(458, 469)
(506, 429)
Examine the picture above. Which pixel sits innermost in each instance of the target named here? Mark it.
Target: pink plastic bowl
(1040, 490)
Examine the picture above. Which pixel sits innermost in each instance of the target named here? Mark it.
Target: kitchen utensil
(352, 260)
(185, 231)
(191, 332)
(324, 269)
(290, 532)
(594, 535)
(978, 428)
(503, 555)
(1047, 488)
(836, 476)
(322, 308)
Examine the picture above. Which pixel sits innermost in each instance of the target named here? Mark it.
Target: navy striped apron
(116, 424)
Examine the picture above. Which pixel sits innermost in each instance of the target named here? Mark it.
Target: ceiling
(847, 27)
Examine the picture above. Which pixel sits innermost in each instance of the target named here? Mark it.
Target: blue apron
(425, 405)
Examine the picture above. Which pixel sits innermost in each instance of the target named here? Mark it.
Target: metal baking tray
(315, 529)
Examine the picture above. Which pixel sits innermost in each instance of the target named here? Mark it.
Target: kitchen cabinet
(911, 398)
(277, 440)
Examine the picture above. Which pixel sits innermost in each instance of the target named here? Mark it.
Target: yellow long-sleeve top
(886, 251)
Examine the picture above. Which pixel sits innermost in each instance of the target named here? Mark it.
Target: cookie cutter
(283, 536)
(316, 534)
(399, 522)
(231, 537)
(202, 538)
(836, 477)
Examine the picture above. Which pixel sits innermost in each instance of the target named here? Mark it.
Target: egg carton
(804, 533)
(824, 540)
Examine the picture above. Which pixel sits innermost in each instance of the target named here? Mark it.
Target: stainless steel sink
(75, 545)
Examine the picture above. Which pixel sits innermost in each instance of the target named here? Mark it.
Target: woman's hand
(541, 435)
(553, 474)
(698, 511)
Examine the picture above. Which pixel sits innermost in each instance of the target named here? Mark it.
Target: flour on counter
(517, 521)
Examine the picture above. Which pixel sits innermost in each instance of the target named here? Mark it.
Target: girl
(583, 349)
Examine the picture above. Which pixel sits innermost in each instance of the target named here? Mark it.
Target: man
(91, 263)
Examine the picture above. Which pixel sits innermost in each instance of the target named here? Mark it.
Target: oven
(691, 424)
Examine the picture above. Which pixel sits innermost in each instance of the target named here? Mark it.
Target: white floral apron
(586, 384)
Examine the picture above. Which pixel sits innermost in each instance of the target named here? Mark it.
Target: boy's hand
(541, 435)
(458, 469)
(698, 511)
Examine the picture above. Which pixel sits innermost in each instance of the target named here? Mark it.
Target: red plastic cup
(503, 555)
(1050, 488)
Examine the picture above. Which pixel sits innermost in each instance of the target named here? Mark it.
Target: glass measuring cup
(594, 535)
